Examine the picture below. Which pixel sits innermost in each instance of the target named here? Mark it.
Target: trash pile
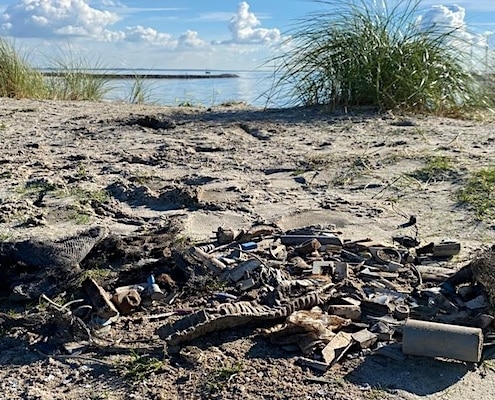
(327, 296)
(306, 290)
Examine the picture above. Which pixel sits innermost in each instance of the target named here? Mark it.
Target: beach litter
(307, 291)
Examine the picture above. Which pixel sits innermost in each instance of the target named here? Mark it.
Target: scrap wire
(64, 308)
(57, 306)
(418, 274)
(252, 254)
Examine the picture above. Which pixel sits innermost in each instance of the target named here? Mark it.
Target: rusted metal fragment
(105, 309)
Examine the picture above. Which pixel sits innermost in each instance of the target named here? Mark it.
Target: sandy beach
(65, 166)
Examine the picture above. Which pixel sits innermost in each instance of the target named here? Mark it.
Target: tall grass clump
(75, 78)
(71, 81)
(17, 78)
(140, 92)
(361, 53)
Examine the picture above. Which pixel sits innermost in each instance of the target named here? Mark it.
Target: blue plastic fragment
(222, 295)
(248, 246)
(446, 287)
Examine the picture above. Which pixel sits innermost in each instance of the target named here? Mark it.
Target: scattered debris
(336, 348)
(375, 288)
(431, 339)
(306, 289)
(126, 300)
(105, 309)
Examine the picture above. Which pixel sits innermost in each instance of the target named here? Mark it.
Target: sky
(189, 34)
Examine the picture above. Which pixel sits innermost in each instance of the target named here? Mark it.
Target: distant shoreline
(145, 76)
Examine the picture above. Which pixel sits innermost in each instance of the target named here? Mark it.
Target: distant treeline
(62, 74)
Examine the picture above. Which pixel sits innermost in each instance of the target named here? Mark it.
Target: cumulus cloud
(49, 18)
(451, 19)
(490, 38)
(244, 26)
(444, 17)
(191, 40)
(76, 18)
(149, 35)
(96, 21)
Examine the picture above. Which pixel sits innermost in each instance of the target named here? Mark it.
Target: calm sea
(251, 87)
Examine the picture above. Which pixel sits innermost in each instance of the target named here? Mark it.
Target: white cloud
(76, 18)
(215, 16)
(244, 28)
(441, 19)
(191, 40)
(490, 35)
(149, 35)
(451, 20)
(448, 17)
(92, 24)
(474, 6)
(52, 18)
(111, 3)
(111, 36)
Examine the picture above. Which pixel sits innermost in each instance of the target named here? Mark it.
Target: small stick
(387, 186)
(75, 356)
(159, 316)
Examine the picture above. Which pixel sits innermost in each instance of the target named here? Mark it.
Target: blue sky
(202, 34)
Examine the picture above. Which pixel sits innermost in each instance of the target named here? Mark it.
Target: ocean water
(250, 87)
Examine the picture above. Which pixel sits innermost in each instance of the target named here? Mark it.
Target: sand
(68, 165)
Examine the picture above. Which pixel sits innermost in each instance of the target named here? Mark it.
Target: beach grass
(140, 366)
(73, 80)
(140, 91)
(367, 53)
(220, 377)
(436, 168)
(18, 79)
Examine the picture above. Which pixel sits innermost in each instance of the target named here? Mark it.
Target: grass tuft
(140, 91)
(354, 168)
(17, 78)
(99, 274)
(436, 168)
(141, 366)
(73, 80)
(221, 377)
(367, 53)
(88, 197)
(479, 193)
(35, 188)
